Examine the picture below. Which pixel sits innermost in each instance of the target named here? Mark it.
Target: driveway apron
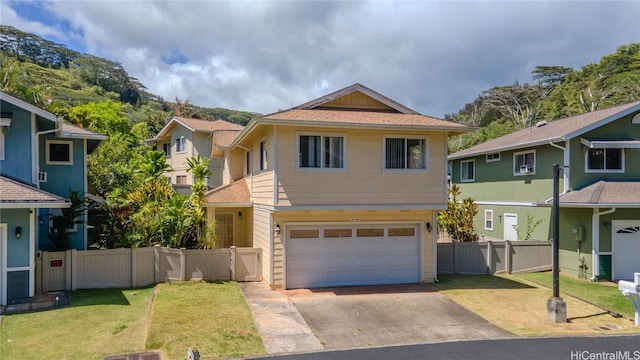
(372, 316)
(282, 328)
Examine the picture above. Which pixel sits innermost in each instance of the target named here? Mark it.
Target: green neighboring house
(511, 179)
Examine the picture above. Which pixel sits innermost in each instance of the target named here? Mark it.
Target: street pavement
(569, 348)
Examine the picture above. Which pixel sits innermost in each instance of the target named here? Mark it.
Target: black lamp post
(556, 307)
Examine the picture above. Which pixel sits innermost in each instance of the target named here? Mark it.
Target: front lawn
(520, 307)
(605, 295)
(210, 317)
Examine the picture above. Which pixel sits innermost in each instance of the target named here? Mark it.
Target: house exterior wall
(495, 181)
(60, 180)
(540, 232)
(18, 252)
(17, 148)
(262, 238)
(618, 129)
(261, 182)
(363, 179)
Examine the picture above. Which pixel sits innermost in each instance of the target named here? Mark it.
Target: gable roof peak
(357, 87)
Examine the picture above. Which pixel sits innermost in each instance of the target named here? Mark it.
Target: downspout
(595, 240)
(37, 145)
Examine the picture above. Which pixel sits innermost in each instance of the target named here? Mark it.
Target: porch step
(38, 303)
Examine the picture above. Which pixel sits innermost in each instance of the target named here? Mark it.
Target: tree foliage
(459, 218)
(559, 92)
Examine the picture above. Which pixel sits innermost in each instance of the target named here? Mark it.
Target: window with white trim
(58, 152)
(493, 157)
(524, 163)
(467, 170)
(181, 145)
(181, 179)
(405, 153)
(321, 151)
(263, 155)
(604, 160)
(488, 220)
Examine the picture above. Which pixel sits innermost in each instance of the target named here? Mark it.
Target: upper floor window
(166, 148)
(248, 164)
(321, 151)
(493, 157)
(263, 155)
(605, 160)
(181, 145)
(181, 179)
(405, 153)
(524, 163)
(467, 170)
(59, 152)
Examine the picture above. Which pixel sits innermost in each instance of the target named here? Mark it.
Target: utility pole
(556, 307)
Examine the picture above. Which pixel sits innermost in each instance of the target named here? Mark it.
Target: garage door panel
(369, 257)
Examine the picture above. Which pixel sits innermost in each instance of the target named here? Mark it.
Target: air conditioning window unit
(526, 169)
(42, 176)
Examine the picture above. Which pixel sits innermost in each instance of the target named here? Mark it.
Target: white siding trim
(3, 262)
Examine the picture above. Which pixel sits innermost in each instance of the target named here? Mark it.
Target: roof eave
(507, 148)
(34, 204)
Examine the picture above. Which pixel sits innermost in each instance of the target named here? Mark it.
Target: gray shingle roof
(16, 194)
(604, 194)
(558, 130)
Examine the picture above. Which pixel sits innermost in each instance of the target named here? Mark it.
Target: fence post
(490, 257)
(455, 257)
(67, 270)
(233, 263)
(133, 268)
(507, 256)
(156, 264)
(183, 264)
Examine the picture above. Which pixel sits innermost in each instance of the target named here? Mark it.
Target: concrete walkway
(281, 326)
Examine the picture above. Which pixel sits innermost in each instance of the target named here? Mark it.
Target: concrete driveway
(371, 316)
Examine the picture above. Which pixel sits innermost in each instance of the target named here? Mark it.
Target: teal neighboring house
(511, 178)
(41, 159)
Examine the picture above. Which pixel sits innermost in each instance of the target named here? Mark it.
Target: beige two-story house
(342, 190)
(182, 138)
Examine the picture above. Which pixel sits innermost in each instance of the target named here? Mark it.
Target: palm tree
(199, 168)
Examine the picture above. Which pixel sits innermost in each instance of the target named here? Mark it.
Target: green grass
(601, 294)
(211, 317)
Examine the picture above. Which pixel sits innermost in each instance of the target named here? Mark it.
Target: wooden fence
(494, 257)
(130, 268)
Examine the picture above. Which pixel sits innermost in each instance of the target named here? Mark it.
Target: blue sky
(262, 56)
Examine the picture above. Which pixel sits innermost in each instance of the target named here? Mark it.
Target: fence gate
(54, 271)
(248, 265)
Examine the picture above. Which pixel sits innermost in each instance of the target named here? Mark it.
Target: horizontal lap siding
(261, 239)
(363, 181)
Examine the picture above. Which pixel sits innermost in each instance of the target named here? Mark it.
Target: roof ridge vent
(541, 123)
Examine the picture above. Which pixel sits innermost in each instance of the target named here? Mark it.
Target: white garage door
(335, 255)
(625, 259)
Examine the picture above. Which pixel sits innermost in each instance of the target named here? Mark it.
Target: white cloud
(264, 56)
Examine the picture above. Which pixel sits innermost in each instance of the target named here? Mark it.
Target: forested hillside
(558, 93)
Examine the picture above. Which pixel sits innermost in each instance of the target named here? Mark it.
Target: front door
(224, 230)
(510, 226)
